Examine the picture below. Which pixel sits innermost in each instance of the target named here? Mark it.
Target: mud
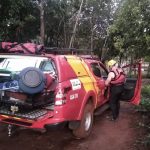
(106, 135)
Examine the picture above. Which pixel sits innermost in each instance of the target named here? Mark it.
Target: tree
(16, 19)
(75, 27)
(130, 32)
(41, 4)
(94, 20)
(52, 21)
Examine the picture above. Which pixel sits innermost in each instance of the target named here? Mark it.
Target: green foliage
(146, 91)
(144, 109)
(19, 17)
(145, 104)
(130, 31)
(16, 20)
(145, 101)
(147, 58)
(128, 35)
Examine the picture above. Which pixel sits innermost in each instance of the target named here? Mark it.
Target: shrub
(145, 104)
(144, 109)
(146, 91)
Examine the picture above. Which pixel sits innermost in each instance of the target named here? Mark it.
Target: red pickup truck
(38, 91)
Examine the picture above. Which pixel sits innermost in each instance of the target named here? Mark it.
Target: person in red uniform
(115, 80)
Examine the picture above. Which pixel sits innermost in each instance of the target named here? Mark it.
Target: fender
(90, 94)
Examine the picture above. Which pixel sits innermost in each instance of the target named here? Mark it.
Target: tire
(86, 123)
(31, 80)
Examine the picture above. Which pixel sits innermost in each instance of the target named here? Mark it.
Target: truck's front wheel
(85, 127)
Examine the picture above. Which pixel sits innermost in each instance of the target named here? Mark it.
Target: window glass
(16, 64)
(96, 69)
(103, 72)
(47, 66)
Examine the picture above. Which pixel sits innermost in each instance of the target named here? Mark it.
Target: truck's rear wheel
(85, 127)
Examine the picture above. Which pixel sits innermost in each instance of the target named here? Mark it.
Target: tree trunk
(42, 26)
(148, 71)
(103, 48)
(75, 26)
(65, 40)
(92, 34)
(130, 69)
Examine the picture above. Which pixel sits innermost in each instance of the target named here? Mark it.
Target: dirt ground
(106, 135)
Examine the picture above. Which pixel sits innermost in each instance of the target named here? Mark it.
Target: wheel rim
(88, 120)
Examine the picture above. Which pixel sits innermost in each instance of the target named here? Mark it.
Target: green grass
(145, 101)
(144, 109)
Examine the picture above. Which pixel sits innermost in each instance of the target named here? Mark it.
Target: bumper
(43, 122)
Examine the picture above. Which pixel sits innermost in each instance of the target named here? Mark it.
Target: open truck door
(132, 87)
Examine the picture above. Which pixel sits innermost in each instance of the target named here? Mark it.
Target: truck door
(100, 82)
(132, 87)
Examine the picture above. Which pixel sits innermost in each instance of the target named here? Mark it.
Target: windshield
(16, 64)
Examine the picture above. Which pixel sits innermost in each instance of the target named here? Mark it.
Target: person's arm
(111, 75)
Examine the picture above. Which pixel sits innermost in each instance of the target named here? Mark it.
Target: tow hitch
(11, 130)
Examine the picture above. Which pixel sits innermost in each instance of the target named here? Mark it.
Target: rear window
(16, 64)
(48, 67)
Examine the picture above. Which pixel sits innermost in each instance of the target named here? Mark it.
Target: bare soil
(106, 135)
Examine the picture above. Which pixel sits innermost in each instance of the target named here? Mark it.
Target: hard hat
(111, 63)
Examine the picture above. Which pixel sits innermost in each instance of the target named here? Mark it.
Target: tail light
(61, 96)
